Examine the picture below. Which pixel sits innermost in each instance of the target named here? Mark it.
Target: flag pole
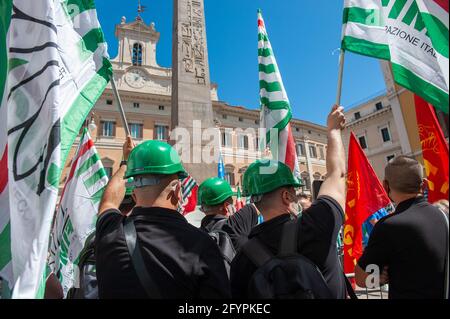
(340, 76)
(120, 106)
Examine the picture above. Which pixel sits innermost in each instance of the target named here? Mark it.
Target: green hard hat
(214, 191)
(265, 176)
(154, 158)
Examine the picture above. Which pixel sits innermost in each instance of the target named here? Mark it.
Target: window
(297, 129)
(357, 116)
(390, 157)
(136, 130)
(108, 128)
(385, 134)
(161, 107)
(109, 172)
(241, 119)
(256, 143)
(243, 142)
(301, 149)
(229, 174)
(362, 142)
(137, 54)
(109, 102)
(321, 152)
(226, 139)
(161, 132)
(136, 105)
(379, 106)
(257, 122)
(317, 176)
(309, 132)
(312, 151)
(224, 116)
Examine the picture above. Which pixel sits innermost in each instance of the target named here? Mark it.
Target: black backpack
(287, 275)
(88, 278)
(223, 241)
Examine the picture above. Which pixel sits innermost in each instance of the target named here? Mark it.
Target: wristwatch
(123, 163)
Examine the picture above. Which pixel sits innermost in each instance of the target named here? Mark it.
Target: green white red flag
(412, 34)
(53, 68)
(276, 110)
(77, 212)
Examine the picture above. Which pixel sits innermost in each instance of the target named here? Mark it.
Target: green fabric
(214, 191)
(154, 158)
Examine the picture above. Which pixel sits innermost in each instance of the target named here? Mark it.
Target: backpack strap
(257, 252)
(288, 242)
(134, 250)
(349, 288)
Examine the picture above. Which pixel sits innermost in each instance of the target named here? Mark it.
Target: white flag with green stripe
(77, 212)
(54, 66)
(276, 111)
(412, 34)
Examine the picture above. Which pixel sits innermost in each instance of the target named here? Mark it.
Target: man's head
(272, 187)
(403, 178)
(156, 170)
(305, 200)
(216, 197)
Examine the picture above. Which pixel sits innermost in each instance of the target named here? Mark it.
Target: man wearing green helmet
(272, 188)
(154, 252)
(216, 199)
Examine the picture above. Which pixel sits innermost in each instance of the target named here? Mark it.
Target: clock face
(136, 78)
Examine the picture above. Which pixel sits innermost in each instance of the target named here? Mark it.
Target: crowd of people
(282, 245)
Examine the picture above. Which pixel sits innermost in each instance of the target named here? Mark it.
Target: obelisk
(191, 85)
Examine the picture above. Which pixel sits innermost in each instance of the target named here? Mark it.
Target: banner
(77, 212)
(54, 67)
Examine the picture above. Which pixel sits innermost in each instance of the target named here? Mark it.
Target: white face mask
(231, 210)
(295, 209)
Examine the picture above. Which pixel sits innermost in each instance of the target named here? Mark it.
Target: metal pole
(120, 106)
(340, 75)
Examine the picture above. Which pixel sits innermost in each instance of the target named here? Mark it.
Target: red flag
(434, 150)
(365, 196)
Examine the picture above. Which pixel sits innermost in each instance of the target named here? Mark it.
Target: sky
(305, 36)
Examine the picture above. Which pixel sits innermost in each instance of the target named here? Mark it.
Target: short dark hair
(404, 174)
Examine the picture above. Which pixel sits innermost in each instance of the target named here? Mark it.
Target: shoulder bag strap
(134, 250)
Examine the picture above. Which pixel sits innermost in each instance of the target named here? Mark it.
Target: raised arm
(334, 185)
(115, 190)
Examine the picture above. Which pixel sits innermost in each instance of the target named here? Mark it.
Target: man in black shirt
(408, 247)
(216, 199)
(275, 197)
(182, 261)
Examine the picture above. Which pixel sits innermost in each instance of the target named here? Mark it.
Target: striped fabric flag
(54, 66)
(77, 212)
(221, 167)
(275, 106)
(239, 201)
(189, 188)
(412, 34)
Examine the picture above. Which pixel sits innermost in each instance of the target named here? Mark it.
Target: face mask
(231, 210)
(295, 208)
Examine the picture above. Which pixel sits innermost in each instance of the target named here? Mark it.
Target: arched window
(317, 176)
(137, 54)
(241, 173)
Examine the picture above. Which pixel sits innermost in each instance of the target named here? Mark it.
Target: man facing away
(181, 261)
(273, 190)
(216, 199)
(409, 246)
